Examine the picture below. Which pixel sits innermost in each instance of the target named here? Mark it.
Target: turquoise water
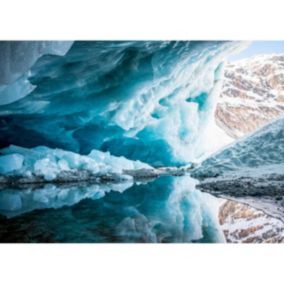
(167, 210)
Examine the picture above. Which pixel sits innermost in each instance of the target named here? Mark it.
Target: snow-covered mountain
(252, 94)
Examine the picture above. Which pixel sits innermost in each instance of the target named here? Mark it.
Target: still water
(166, 210)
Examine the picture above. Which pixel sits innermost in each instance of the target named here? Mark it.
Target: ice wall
(148, 101)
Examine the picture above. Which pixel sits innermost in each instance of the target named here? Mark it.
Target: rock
(252, 94)
(244, 224)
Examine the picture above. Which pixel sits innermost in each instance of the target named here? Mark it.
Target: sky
(259, 47)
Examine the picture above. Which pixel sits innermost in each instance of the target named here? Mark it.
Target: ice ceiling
(147, 101)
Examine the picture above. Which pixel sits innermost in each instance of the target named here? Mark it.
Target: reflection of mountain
(252, 94)
(244, 224)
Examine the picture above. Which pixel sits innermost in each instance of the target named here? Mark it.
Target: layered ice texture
(16, 59)
(261, 152)
(147, 101)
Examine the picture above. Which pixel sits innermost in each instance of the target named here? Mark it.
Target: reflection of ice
(185, 215)
(14, 202)
(193, 211)
(137, 227)
(168, 210)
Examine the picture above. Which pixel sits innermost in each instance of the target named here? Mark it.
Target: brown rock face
(252, 94)
(244, 224)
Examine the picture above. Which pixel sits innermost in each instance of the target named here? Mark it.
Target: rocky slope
(244, 224)
(252, 94)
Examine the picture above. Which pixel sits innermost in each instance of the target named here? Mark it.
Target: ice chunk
(117, 163)
(47, 168)
(52, 164)
(10, 163)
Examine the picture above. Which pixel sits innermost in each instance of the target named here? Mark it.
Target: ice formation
(148, 101)
(43, 163)
(261, 152)
(16, 58)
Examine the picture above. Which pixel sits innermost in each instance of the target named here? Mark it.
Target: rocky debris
(161, 171)
(239, 186)
(265, 192)
(63, 177)
(88, 176)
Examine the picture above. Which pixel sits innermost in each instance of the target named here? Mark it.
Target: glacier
(147, 101)
(250, 170)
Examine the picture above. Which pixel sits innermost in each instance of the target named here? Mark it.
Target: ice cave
(131, 141)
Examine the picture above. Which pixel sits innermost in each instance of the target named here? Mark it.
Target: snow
(50, 163)
(253, 91)
(260, 152)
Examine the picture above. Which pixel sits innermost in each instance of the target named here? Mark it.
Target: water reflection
(14, 202)
(168, 209)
